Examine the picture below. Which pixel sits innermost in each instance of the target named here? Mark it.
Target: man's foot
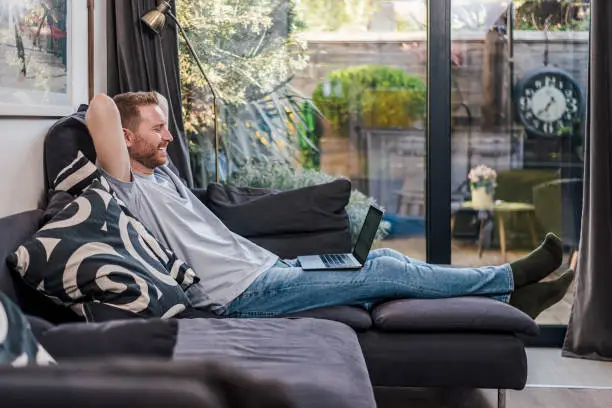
(535, 298)
(540, 263)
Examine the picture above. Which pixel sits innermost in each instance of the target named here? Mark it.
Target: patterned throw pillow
(18, 347)
(76, 176)
(94, 250)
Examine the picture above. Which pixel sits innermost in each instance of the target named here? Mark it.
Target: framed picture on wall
(36, 57)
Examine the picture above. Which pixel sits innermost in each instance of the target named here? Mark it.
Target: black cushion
(15, 230)
(470, 360)
(289, 246)
(465, 314)
(303, 221)
(122, 338)
(355, 317)
(64, 140)
(95, 251)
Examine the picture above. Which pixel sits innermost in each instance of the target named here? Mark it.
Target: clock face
(549, 102)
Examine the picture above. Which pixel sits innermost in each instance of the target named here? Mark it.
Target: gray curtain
(139, 60)
(589, 333)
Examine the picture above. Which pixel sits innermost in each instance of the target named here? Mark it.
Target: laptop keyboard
(335, 259)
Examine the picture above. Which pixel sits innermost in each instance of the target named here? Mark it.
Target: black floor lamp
(156, 21)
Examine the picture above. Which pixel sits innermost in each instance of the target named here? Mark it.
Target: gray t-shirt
(225, 262)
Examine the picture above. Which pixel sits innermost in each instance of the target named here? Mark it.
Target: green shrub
(384, 97)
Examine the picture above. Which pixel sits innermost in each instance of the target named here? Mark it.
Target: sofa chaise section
(319, 361)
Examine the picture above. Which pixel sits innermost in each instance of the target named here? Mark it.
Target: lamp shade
(156, 19)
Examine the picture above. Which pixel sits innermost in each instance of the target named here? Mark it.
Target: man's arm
(104, 124)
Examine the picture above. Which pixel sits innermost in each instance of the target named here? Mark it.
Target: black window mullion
(438, 133)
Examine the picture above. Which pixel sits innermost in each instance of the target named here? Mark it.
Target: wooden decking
(466, 254)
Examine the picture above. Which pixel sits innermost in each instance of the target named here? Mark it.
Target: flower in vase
(483, 176)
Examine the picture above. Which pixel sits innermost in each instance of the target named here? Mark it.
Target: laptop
(348, 261)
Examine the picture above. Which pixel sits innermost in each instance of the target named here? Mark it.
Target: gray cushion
(319, 361)
(302, 221)
(455, 314)
(471, 360)
(355, 317)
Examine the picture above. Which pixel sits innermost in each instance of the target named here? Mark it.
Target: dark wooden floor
(538, 397)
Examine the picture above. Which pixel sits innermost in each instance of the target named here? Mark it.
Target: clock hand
(548, 105)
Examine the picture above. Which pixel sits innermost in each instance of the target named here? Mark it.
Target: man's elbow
(100, 107)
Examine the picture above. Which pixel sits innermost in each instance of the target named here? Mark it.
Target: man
(241, 279)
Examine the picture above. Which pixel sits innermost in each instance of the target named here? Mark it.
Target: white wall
(21, 139)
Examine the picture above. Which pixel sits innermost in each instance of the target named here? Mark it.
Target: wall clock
(549, 102)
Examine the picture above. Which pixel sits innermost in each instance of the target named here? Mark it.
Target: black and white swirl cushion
(18, 347)
(94, 250)
(76, 176)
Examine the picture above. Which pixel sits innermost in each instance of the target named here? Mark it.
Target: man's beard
(147, 155)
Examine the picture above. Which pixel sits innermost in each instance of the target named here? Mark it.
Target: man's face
(148, 144)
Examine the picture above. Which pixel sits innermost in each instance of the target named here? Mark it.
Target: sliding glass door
(519, 84)
(361, 101)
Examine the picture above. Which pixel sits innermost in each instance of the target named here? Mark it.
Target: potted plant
(483, 181)
(384, 97)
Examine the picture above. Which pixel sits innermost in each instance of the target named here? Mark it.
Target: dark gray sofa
(327, 357)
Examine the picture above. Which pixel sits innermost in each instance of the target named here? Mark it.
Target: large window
(312, 90)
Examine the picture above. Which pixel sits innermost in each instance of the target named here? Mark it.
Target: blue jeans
(387, 274)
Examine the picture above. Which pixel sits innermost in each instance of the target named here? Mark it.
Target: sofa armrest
(46, 389)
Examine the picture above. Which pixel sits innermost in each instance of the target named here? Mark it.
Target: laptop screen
(367, 234)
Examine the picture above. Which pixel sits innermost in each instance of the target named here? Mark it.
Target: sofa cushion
(95, 251)
(76, 176)
(470, 360)
(18, 346)
(476, 314)
(39, 326)
(153, 338)
(319, 361)
(303, 221)
(290, 246)
(20, 227)
(15, 230)
(65, 139)
(58, 200)
(99, 312)
(355, 317)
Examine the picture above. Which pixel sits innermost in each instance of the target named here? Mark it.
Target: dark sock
(540, 263)
(535, 298)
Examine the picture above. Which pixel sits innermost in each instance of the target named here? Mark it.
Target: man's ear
(130, 137)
